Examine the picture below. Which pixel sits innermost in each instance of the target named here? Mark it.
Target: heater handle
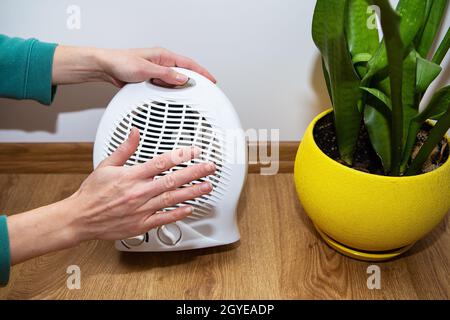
(159, 83)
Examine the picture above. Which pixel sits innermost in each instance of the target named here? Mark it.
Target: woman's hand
(79, 64)
(120, 202)
(114, 202)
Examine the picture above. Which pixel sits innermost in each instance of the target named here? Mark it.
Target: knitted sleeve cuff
(38, 82)
(5, 256)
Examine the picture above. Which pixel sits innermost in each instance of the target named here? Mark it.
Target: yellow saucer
(362, 255)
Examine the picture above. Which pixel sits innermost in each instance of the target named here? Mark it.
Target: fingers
(179, 178)
(166, 58)
(124, 151)
(174, 197)
(167, 75)
(164, 162)
(162, 218)
(160, 189)
(190, 64)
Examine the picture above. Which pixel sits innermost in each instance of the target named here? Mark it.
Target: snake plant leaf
(412, 14)
(413, 130)
(410, 107)
(395, 48)
(378, 126)
(442, 49)
(435, 135)
(427, 71)
(429, 4)
(376, 118)
(436, 108)
(327, 80)
(329, 36)
(362, 40)
(361, 57)
(380, 95)
(435, 10)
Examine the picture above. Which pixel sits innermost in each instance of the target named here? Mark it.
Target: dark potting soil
(365, 158)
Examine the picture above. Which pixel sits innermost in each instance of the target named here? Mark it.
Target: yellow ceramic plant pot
(367, 216)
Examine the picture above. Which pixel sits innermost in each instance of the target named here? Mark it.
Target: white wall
(260, 51)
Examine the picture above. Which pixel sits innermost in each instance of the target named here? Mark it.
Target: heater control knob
(169, 234)
(135, 241)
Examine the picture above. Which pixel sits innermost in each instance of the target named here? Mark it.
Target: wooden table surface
(280, 256)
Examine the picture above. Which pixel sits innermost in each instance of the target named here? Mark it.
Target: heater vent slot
(167, 126)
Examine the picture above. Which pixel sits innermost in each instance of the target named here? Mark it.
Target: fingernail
(188, 209)
(205, 187)
(181, 78)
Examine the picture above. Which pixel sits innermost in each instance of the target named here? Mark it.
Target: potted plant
(373, 172)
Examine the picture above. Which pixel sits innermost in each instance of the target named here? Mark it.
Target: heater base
(121, 246)
(362, 255)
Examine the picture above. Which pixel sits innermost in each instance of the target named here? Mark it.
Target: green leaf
(378, 127)
(361, 57)
(385, 86)
(379, 116)
(429, 4)
(360, 38)
(327, 80)
(329, 36)
(380, 95)
(437, 106)
(390, 22)
(442, 49)
(431, 26)
(413, 130)
(435, 110)
(410, 107)
(435, 136)
(427, 71)
(412, 14)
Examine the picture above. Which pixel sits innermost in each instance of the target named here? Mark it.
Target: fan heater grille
(167, 126)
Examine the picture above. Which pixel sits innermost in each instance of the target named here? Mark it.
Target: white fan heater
(196, 114)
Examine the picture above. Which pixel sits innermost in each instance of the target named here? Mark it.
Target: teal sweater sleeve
(26, 69)
(5, 259)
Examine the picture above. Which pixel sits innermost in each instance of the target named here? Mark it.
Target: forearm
(77, 65)
(43, 230)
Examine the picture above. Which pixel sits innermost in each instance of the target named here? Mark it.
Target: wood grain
(279, 256)
(77, 157)
(46, 157)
